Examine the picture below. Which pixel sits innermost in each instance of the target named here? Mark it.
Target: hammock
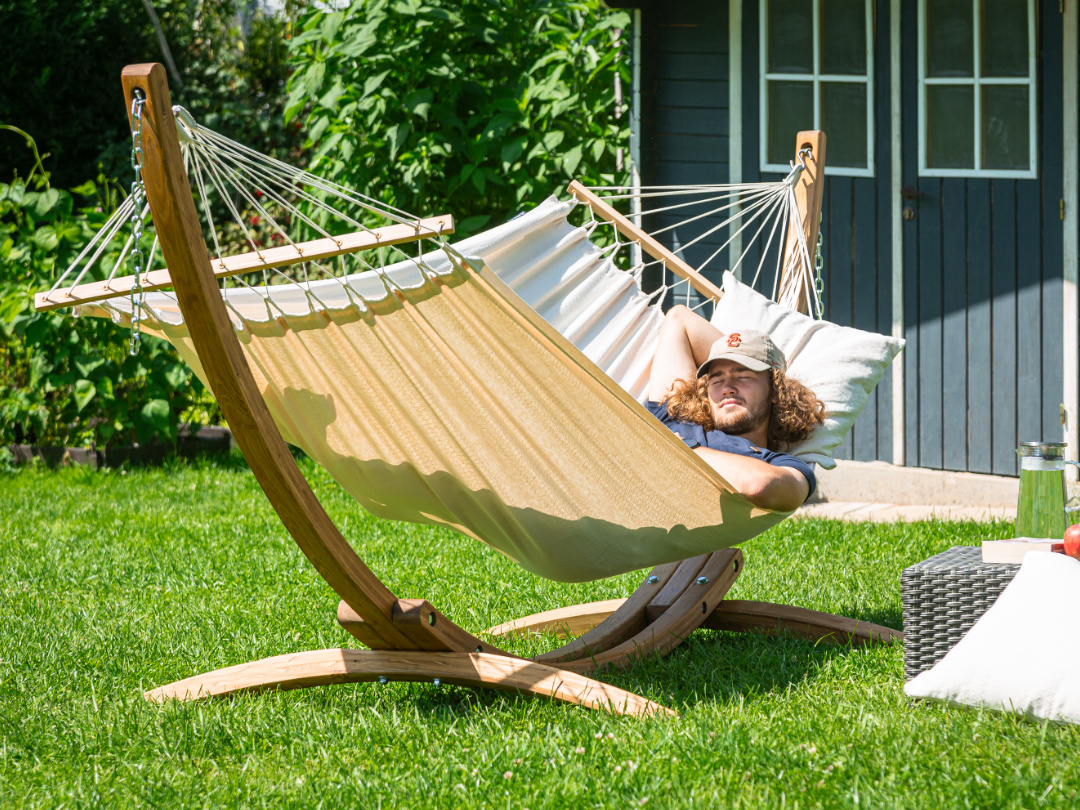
(434, 392)
(448, 401)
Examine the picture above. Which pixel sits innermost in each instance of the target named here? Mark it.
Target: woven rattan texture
(943, 597)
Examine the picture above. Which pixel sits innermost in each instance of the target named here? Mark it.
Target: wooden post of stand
(809, 192)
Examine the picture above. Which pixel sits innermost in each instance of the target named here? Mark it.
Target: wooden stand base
(672, 602)
(320, 667)
(731, 614)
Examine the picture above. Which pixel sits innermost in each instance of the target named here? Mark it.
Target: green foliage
(233, 74)
(70, 381)
(479, 108)
(59, 78)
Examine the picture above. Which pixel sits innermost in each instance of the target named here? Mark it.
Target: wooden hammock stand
(409, 639)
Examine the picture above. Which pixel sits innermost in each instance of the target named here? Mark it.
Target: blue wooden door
(982, 174)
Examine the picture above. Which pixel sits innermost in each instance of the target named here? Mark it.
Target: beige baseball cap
(747, 347)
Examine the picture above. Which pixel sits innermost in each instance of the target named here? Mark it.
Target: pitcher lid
(1042, 449)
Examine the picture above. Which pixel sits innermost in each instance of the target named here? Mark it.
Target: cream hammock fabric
(439, 396)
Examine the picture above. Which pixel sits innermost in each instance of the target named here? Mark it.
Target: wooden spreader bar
(648, 243)
(310, 251)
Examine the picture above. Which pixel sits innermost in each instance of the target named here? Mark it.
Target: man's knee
(680, 314)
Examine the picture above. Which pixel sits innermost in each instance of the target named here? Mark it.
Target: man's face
(740, 398)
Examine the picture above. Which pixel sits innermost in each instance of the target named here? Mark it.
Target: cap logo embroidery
(734, 340)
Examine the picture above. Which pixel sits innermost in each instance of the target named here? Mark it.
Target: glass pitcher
(1040, 509)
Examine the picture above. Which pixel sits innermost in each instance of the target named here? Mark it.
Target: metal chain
(819, 283)
(138, 197)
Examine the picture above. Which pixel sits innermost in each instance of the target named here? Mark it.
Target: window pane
(1005, 141)
(843, 117)
(1004, 38)
(791, 36)
(843, 38)
(791, 110)
(950, 127)
(949, 38)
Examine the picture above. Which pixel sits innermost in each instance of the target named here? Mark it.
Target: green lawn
(115, 582)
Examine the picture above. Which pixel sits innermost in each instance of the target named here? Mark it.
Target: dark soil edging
(207, 441)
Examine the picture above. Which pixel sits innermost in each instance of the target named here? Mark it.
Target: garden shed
(951, 202)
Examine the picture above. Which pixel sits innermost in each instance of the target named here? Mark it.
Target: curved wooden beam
(735, 615)
(180, 237)
(676, 624)
(319, 667)
(569, 621)
(768, 617)
(624, 623)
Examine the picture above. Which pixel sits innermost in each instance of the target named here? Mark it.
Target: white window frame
(977, 81)
(816, 78)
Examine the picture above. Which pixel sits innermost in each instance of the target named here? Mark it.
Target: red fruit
(1072, 541)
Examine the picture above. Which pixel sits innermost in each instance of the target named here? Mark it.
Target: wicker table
(943, 597)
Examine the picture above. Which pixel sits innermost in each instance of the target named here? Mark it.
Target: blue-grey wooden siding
(685, 111)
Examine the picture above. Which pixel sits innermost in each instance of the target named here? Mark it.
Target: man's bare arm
(782, 489)
(684, 344)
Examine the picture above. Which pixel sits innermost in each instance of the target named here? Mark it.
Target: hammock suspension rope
(255, 188)
(744, 209)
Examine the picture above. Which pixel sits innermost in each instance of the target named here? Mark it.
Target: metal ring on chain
(819, 282)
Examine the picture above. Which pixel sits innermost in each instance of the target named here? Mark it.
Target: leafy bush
(479, 108)
(476, 107)
(60, 79)
(70, 381)
(233, 75)
(60, 76)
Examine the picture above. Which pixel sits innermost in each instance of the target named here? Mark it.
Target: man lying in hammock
(727, 397)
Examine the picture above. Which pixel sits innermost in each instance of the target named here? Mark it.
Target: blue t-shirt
(696, 436)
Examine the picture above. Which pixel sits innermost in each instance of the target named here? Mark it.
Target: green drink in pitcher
(1040, 508)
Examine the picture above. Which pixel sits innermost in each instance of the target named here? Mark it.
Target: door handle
(911, 193)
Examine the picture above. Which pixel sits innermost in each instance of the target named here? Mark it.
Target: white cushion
(1023, 655)
(839, 364)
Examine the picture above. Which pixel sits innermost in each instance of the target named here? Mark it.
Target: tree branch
(169, 63)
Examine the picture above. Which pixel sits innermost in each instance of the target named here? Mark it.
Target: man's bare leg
(685, 341)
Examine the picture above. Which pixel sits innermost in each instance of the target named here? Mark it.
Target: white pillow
(839, 364)
(1023, 655)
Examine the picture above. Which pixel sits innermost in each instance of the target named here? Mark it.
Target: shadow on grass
(721, 667)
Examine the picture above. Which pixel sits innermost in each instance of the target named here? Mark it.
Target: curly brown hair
(792, 418)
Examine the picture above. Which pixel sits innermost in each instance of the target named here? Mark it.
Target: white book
(1013, 551)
